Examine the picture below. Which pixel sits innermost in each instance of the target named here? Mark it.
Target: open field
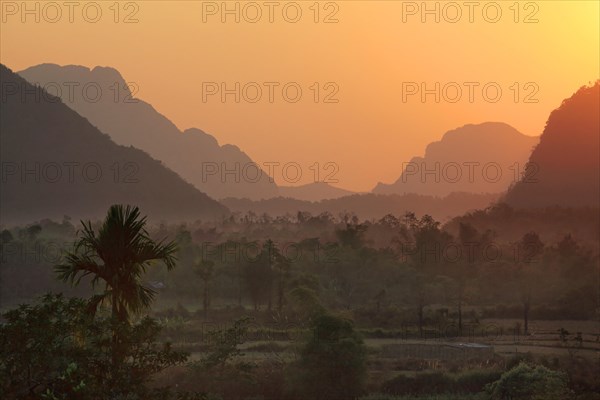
(544, 340)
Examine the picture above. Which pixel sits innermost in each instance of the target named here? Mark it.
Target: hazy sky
(365, 58)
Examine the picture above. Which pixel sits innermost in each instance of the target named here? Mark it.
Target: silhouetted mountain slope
(193, 154)
(467, 159)
(55, 163)
(313, 192)
(369, 205)
(567, 159)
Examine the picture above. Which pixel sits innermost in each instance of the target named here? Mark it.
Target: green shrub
(527, 382)
(438, 382)
(57, 350)
(332, 363)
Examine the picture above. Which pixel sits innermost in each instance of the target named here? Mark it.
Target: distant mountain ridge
(313, 192)
(56, 163)
(475, 158)
(195, 155)
(567, 160)
(369, 205)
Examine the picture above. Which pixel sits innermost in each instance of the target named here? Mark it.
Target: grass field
(544, 340)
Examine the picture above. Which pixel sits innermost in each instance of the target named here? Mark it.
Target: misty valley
(300, 200)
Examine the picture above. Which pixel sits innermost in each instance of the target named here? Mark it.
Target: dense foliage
(56, 350)
(314, 287)
(332, 363)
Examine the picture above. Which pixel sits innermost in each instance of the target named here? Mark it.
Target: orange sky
(368, 54)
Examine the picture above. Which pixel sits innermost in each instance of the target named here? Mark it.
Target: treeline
(105, 344)
(398, 269)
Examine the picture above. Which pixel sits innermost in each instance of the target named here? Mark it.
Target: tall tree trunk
(460, 301)
(270, 303)
(205, 299)
(461, 291)
(420, 314)
(115, 335)
(239, 286)
(460, 326)
(526, 305)
(280, 292)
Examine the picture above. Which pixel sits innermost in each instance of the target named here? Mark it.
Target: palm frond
(118, 254)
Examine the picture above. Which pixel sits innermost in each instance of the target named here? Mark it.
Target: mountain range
(56, 163)
(475, 158)
(565, 165)
(467, 159)
(369, 205)
(143, 158)
(315, 191)
(194, 154)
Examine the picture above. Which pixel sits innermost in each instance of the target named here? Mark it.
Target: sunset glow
(368, 54)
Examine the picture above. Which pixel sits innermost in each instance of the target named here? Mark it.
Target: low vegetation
(368, 318)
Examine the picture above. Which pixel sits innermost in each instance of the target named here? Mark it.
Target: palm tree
(117, 256)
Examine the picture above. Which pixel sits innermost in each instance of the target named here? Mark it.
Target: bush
(332, 363)
(439, 382)
(57, 350)
(527, 382)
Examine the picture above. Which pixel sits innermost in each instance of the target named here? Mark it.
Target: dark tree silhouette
(529, 248)
(205, 270)
(117, 256)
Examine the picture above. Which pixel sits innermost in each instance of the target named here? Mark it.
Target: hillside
(567, 160)
(313, 192)
(476, 158)
(56, 163)
(195, 155)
